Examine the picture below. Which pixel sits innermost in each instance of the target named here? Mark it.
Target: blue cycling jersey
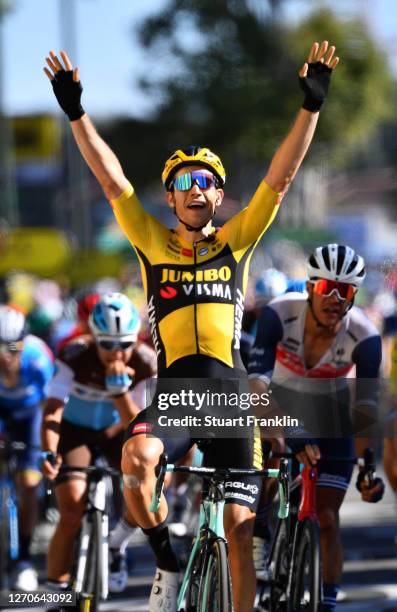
(36, 370)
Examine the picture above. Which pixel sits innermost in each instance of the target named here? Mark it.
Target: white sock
(121, 535)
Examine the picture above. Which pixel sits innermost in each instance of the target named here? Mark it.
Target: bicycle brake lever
(50, 457)
(160, 471)
(283, 488)
(369, 466)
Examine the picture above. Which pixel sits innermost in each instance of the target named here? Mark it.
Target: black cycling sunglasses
(111, 345)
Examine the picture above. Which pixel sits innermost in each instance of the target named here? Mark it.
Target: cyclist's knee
(70, 516)
(71, 504)
(140, 456)
(239, 525)
(329, 520)
(240, 536)
(28, 479)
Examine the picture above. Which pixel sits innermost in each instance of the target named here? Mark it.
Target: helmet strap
(190, 228)
(317, 320)
(349, 307)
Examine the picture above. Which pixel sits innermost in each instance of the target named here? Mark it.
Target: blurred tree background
(219, 73)
(227, 78)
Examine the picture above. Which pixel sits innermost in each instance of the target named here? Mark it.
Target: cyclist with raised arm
(195, 278)
(304, 348)
(98, 387)
(26, 367)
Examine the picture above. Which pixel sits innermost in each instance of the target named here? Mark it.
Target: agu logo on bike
(241, 485)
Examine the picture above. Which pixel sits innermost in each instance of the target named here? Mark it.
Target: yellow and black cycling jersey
(393, 367)
(195, 291)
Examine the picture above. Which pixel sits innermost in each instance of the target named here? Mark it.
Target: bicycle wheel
(195, 579)
(278, 567)
(4, 538)
(217, 586)
(305, 578)
(88, 599)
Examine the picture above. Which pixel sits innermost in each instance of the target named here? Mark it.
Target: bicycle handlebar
(368, 461)
(91, 470)
(220, 475)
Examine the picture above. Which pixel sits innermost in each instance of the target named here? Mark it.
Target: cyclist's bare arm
(257, 385)
(260, 388)
(100, 158)
(126, 407)
(98, 155)
(290, 154)
(52, 416)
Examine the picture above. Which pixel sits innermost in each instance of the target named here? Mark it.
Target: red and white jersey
(278, 353)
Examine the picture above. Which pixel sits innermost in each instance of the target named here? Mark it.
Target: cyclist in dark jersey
(99, 385)
(195, 279)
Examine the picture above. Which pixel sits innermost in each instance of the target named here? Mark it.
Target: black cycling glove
(68, 93)
(361, 478)
(315, 86)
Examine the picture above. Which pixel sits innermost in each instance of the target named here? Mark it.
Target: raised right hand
(315, 75)
(65, 81)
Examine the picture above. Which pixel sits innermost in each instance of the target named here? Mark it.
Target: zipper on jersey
(195, 298)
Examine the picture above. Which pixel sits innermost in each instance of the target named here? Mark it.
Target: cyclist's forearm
(363, 443)
(259, 388)
(50, 436)
(99, 157)
(50, 427)
(265, 408)
(290, 154)
(126, 407)
(260, 398)
(257, 385)
(365, 423)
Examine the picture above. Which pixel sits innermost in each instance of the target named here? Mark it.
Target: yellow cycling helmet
(193, 156)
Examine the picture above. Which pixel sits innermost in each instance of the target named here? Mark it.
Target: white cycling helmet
(336, 262)
(115, 316)
(12, 325)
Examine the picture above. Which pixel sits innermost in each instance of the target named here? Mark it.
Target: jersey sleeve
(139, 394)
(62, 381)
(144, 362)
(368, 357)
(263, 354)
(43, 368)
(247, 226)
(139, 226)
